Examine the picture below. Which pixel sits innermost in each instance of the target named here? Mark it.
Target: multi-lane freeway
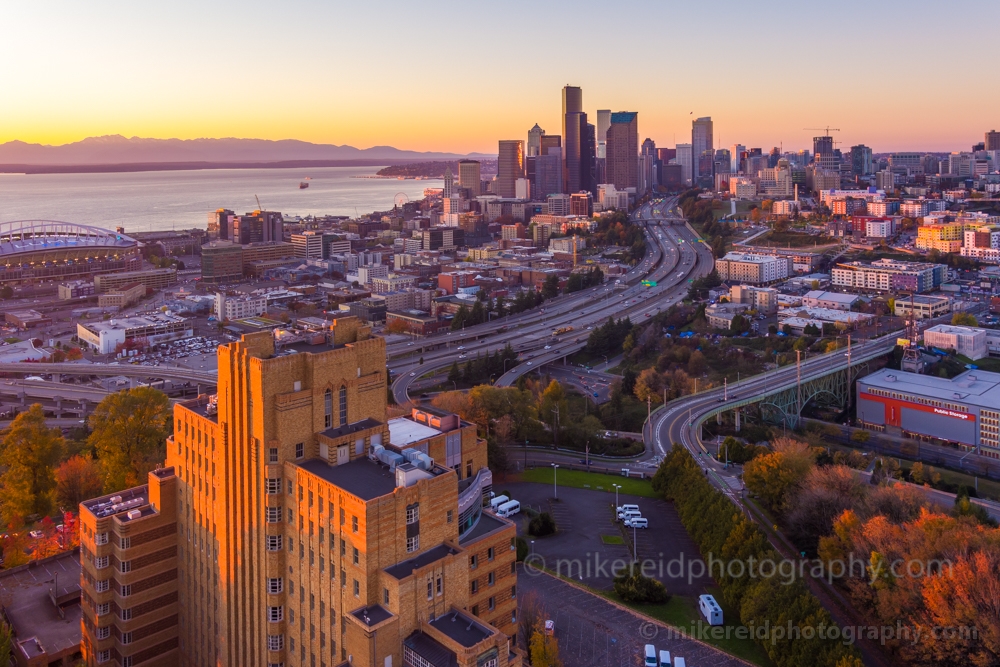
(674, 258)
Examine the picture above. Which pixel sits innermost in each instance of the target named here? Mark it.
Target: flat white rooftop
(404, 431)
(975, 387)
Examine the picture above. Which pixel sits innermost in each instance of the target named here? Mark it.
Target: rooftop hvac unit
(134, 514)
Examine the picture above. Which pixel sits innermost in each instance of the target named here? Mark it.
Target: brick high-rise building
(295, 523)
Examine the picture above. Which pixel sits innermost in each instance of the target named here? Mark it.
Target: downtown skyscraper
(702, 140)
(576, 171)
(622, 163)
(510, 166)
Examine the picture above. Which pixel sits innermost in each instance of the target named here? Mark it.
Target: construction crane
(827, 130)
(259, 207)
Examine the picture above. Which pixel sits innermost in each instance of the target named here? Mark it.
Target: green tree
(6, 643)
(128, 433)
(6, 292)
(454, 375)
(550, 288)
(28, 453)
(633, 587)
(964, 319)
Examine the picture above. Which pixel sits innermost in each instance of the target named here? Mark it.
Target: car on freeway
(413, 375)
(461, 347)
(548, 347)
(529, 363)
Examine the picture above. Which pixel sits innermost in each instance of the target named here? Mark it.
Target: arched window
(328, 409)
(343, 406)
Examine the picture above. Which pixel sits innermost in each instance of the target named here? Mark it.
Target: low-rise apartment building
(752, 268)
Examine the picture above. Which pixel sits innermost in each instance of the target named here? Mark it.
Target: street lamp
(555, 488)
(617, 486)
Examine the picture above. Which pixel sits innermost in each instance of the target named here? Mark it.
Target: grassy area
(988, 488)
(612, 539)
(12, 340)
(578, 479)
(794, 240)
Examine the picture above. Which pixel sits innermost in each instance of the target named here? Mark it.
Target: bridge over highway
(109, 370)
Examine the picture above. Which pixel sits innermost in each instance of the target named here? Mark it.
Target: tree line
(719, 528)
(833, 512)
(43, 475)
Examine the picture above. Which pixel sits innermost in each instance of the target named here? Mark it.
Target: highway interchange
(674, 257)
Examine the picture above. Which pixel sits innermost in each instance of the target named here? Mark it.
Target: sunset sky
(458, 76)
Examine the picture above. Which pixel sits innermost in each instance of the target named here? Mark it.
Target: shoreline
(134, 167)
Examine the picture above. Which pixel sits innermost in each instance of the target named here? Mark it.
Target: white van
(509, 508)
(625, 508)
(637, 522)
(650, 656)
(679, 662)
(665, 659)
(710, 609)
(630, 514)
(498, 501)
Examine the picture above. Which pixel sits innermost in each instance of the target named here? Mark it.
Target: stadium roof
(29, 236)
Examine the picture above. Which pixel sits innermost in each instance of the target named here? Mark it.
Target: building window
(475, 586)
(127, 660)
(125, 590)
(104, 608)
(102, 585)
(491, 578)
(356, 555)
(440, 585)
(513, 591)
(103, 632)
(272, 486)
(357, 588)
(493, 604)
(489, 554)
(275, 585)
(328, 409)
(101, 538)
(275, 614)
(473, 562)
(289, 487)
(449, 515)
(273, 542)
(272, 455)
(101, 562)
(385, 597)
(413, 513)
(430, 589)
(273, 514)
(275, 642)
(412, 544)
(354, 524)
(103, 656)
(475, 610)
(125, 542)
(343, 406)
(300, 450)
(126, 638)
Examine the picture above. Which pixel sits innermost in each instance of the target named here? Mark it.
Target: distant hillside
(119, 150)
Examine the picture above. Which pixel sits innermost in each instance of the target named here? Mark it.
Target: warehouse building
(972, 342)
(963, 411)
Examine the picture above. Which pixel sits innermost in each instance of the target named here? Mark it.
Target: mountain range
(119, 150)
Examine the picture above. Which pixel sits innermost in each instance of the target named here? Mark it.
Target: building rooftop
(404, 569)
(361, 477)
(836, 297)
(139, 322)
(978, 388)
(347, 429)
(36, 621)
(461, 628)
(372, 614)
(116, 503)
(404, 431)
(960, 330)
(487, 524)
(430, 650)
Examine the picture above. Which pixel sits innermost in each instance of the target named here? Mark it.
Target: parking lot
(593, 632)
(583, 516)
